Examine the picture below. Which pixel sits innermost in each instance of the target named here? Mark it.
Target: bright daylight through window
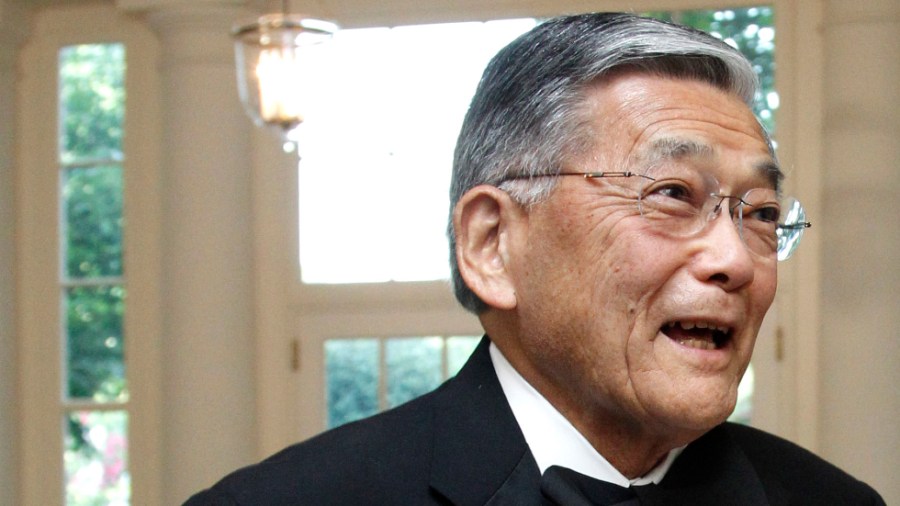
(377, 145)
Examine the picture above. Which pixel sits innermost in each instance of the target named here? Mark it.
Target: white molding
(37, 308)
(146, 5)
(361, 13)
(13, 29)
(799, 59)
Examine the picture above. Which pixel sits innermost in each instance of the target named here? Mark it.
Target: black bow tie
(564, 487)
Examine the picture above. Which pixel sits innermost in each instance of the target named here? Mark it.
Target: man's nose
(725, 258)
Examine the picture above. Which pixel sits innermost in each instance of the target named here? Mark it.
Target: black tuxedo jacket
(461, 445)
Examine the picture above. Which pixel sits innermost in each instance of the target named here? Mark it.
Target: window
(380, 141)
(367, 375)
(95, 396)
(87, 282)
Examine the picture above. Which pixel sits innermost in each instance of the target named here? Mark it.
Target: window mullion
(71, 405)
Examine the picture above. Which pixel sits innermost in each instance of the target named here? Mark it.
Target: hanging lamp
(270, 54)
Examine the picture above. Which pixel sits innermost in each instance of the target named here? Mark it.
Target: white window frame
(295, 319)
(39, 328)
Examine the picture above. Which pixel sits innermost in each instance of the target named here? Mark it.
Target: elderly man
(616, 225)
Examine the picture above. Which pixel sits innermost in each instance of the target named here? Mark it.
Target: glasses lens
(679, 203)
(758, 210)
(682, 204)
(791, 230)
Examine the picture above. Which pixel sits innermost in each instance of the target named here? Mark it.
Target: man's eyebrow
(676, 148)
(673, 148)
(770, 170)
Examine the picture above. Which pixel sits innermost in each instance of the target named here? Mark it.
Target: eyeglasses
(683, 203)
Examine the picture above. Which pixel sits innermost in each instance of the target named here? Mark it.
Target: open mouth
(701, 335)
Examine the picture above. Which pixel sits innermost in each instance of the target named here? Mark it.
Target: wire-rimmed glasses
(682, 204)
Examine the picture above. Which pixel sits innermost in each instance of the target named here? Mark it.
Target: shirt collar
(553, 440)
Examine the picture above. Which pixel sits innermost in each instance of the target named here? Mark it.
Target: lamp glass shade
(270, 66)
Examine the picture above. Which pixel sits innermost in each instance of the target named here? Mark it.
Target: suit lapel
(522, 486)
(480, 455)
(711, 471)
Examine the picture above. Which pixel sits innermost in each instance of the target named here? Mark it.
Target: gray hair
(527, 114)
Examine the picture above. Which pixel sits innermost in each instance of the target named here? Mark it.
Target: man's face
(612, 309)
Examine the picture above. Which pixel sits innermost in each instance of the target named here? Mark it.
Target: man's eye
(767, 214)
(673, 191)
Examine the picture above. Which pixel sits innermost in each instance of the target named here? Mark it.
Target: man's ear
(485, 220)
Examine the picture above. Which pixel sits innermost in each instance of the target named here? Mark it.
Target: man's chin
(688, 424)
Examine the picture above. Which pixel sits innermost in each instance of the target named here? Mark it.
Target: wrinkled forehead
(662, 154)
(647, 122)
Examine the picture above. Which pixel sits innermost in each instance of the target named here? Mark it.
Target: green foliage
(92, 101)
(92, 107)
(95, 353)
(351, 372)
(94, 350)
(413, 366)
(93, 204)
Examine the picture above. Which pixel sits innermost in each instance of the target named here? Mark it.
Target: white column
(209, 409)
(12, 32)
(860, 408)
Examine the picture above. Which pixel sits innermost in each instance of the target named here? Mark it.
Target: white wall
(860, 328)
(208, 381)
(12, 30)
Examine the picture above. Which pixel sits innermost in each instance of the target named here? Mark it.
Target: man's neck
(555, 440)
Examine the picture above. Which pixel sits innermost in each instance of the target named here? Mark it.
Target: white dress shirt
(553, 440)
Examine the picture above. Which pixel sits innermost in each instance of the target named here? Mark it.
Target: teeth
(707, 342)
(699, 325)
(698, 343)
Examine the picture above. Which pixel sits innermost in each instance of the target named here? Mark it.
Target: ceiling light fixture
(270, 55)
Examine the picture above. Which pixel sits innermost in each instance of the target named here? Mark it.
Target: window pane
(377, 145)
(413, 368)
(458, 351)
(95, 364)
(351, 372)
(92, 101)
(96, 459)
(93, 222)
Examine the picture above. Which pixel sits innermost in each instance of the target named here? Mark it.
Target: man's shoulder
(797, 470)
(769, 451)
